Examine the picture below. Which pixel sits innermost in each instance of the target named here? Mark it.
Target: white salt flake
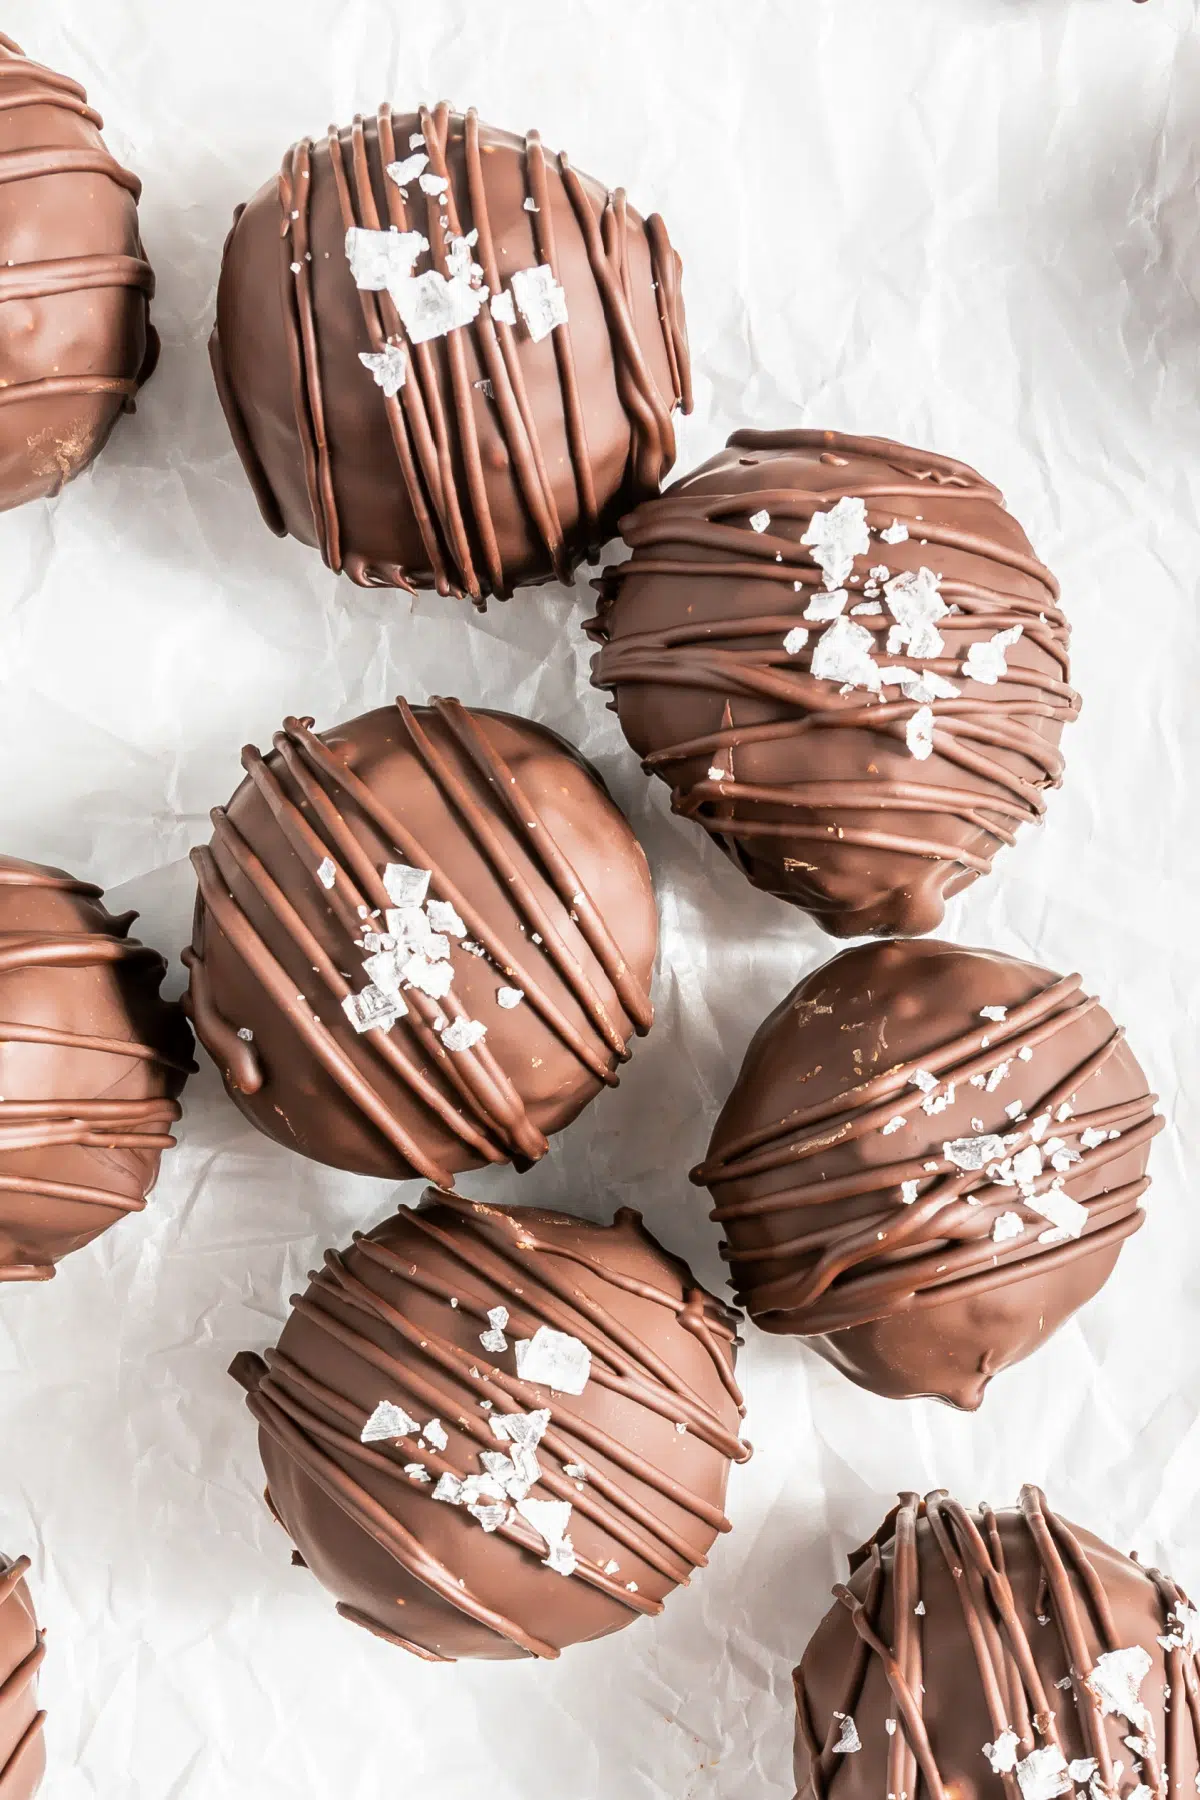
(1082, 1769)
(443, 917)
(432, 978)
(526, 1429)
(1184, 1622)
(246, 1035)
(493, 1338)
(575, 1470)
(893, 1124)
(986, 661)
(997, 1014)
(895, 533)
(918, 733)
(408, 170)
(612, 1568)
(1116, 1680)
(934, 1103)
(327, 873)
(825, 606)
(540, 301)
(508, 997)
(1091, 1137)
(491, 1517)
(1039, 1126)
(1025, 1053)
(550, 1519)
(759, 521)
(1014, 1111)
(795, 640)
(923, 1079)
(916, 604)
(973, 1152)
(1064, 1112)
(406, 886)
(379, 258)
(843, 654)
(432, 306)
(417, 1472)
(837, 537)
(449, 1489)
(388, 1421)
(372, 1009)
(384, 970)
(909, 1191)
(503, 309)
(389, 366)
(464, 1034)
(529, 204)
(1042, 1775)
(848, 1739)
(433, 184)
(922, 685)
(998, 1074)
(554, 1359)
(1009, 1225)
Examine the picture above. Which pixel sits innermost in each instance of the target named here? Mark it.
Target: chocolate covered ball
(423, 940)
(92, 1060)
(493, 1432)
(22, 1747)
(846, 662)
(447, 359)
(76, 341)
(1007, 1655)
(930, 1159)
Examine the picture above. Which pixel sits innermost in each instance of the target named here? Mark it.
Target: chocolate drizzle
(440, 789)
(839, 1217)
(58, 436)
(957, 1627)
(85, 1113)
(507, 457)
(809, 787)
(22, 1651)
(400, 1316)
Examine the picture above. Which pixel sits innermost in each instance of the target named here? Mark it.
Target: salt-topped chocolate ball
(930, 1159)
(76, 341)
(846, 662)
(448, 359)
(22, 1746)
(493, 1432)
(423, 940)
(1003, 1654)
(92, 1060)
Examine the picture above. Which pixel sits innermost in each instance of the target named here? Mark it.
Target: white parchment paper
(969, 224)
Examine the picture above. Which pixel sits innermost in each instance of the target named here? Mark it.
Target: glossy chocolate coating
(501, 460)
(91, 1062)
(811, 790)
(956, 1627)
(654, 1429)
(22, 1746)
(906, 1290)
(76, 341)
(548, 879)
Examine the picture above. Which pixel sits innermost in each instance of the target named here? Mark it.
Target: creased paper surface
(968, 224)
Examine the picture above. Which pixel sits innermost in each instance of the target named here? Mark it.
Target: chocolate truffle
(447, 359)
(495, 1431)
(76, 341)
(929, 1161)
(22, 1747)
(91, 1062)
(423, 940)
(1006, 1655)
(847, 663)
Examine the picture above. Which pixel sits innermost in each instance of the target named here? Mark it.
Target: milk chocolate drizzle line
(730, 658)
(432, 419)
(1073, 1597)
(503, 1261)
(899, 1257)
(14, 1681)
(94, 1124)
(24, 83)
(472, 1095)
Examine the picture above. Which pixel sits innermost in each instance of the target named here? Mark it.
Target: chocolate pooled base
(501, 458)
(92, 1061)
(922, 1189)
(865, 785)
(22, 1650)
(76, 341)
(535, 985)
(1007, 1655)
(432, 1313)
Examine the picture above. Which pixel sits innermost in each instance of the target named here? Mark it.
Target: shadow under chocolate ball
(930, 1159)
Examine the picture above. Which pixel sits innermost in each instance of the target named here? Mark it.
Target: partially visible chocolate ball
(423, 940)
(493, 1431)
(76, 341)
(930, 1159)
(22, 1746)
(447, 359)
(92, 1061)
(1003, 1654)
(846, 662)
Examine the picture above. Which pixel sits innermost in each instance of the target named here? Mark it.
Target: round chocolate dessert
(496, 1431)
(1007, 1655)
(91, 1062)
(447, 359)
(423, 940)
(848, 665)
(76, 341)
(929, 1161)
(22, 1746)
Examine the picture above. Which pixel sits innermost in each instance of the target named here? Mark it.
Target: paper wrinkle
(1019, 291)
